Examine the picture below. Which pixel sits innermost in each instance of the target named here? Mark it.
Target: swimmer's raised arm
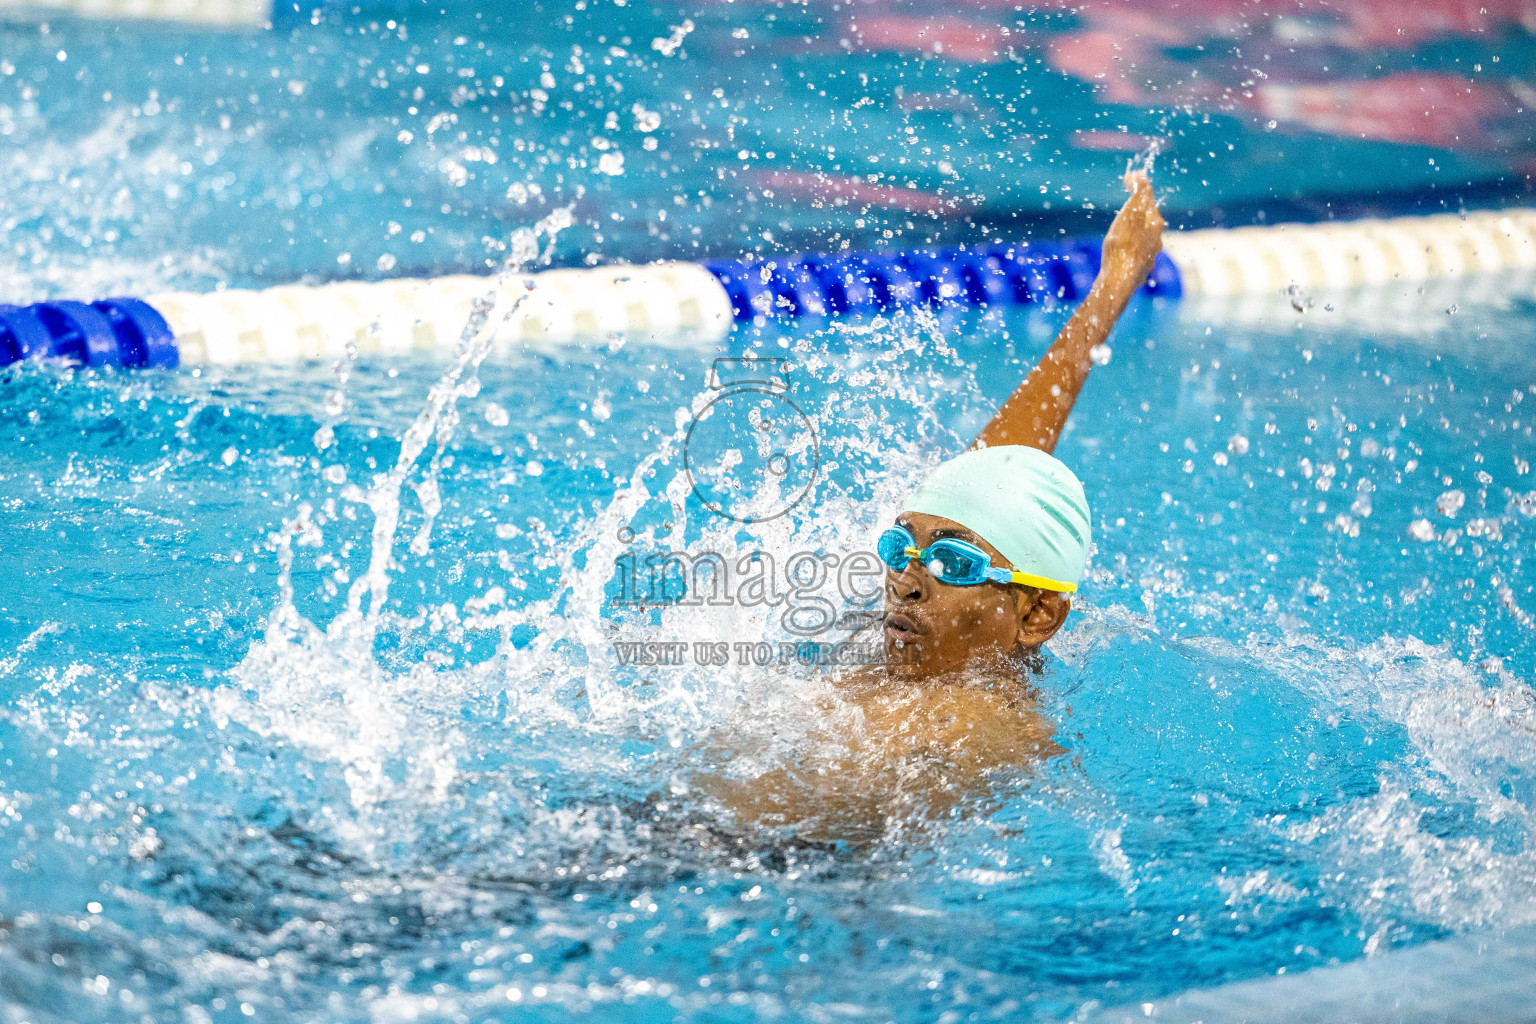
(1035, 414)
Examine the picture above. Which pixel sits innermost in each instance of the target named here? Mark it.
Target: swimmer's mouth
(900, 628)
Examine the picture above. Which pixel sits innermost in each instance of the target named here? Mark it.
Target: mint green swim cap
(1025, 503)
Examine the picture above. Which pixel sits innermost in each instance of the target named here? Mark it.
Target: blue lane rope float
(110, 332)
(862, 283)
(692, 303)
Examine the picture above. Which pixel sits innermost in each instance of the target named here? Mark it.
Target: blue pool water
(1294, 718)
(310, 701)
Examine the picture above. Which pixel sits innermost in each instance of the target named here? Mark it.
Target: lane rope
(208, 13)
(692, 304)
(1352, 254)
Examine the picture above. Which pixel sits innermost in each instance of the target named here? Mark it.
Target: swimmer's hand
(1135, 238)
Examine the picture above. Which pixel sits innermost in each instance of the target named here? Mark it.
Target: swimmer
(1018, 513)
(981, 566)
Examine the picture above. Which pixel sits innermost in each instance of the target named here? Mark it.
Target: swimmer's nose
(904, 586)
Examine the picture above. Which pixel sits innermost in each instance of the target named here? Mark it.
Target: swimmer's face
(933, 629)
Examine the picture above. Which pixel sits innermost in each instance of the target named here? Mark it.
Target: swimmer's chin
(904, 659)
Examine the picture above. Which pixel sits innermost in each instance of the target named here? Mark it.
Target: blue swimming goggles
(956, 562)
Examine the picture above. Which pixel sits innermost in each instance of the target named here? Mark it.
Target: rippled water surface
(312, 705)
(1292, 708)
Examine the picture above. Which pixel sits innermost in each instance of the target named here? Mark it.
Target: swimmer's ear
(1041, 618)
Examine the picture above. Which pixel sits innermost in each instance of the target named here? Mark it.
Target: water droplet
(611, 163)
(230, 456)
(645, 120)
(495, 415)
